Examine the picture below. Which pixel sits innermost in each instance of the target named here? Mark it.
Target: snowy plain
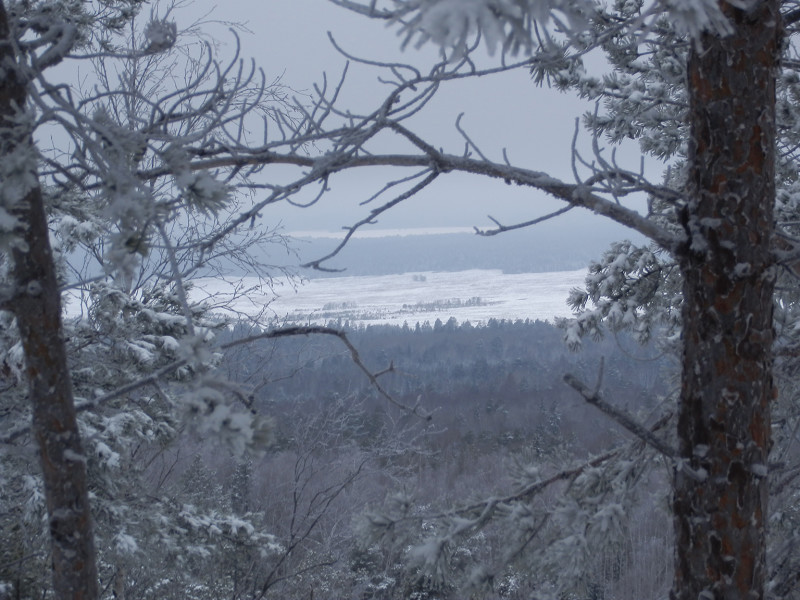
(474, 295)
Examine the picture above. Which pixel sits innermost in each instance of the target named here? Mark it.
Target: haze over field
(396, 251)
(397, 276)
(474, 295)
(417, 275)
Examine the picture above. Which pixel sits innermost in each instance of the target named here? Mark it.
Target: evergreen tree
(698, 84)
(141, 191)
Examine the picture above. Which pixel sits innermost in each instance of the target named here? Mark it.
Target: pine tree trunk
(720, 502)
(37, 307)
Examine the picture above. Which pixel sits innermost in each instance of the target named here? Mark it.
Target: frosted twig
(154, 377)
(574, 154)
(392, 184)
(354, 355)
(468, 139)
(177, 279)
(525, 493)
(373, 63)
(503, 228)
(628, 422)
(370, 219)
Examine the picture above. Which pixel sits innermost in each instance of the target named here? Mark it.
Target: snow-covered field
(476, 295)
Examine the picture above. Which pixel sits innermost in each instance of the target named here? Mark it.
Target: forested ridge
(499, 407)
(336, 453)
(494, 377)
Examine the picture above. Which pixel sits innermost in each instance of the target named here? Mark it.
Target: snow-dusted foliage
(642, 91)
(134, 213)
(558, 532)
(626, 291)
(453, 24)
(147, 171)
(519, 25)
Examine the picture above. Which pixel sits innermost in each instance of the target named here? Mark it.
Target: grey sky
(534, 125)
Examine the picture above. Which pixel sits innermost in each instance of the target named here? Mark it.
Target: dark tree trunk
(720, 501)
(36, 305)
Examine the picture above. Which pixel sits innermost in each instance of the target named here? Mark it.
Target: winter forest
(157, 443)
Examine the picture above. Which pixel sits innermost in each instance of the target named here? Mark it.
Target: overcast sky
(535, 125)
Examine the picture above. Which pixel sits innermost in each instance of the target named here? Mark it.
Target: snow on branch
(456, 26)
(593, 397)
(453, 24)
(159, 374)
(693, 17)
(572, 194)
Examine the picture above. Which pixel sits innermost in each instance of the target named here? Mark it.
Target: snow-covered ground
(476, 295)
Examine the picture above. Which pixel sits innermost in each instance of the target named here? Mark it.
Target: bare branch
(503, 228)
(468, 139)
(369, 11)
(170, 368)
(321, 330)
(628, 422)
(317, 264)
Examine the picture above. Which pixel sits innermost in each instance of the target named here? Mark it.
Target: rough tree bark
(35, 302)
(724, 420)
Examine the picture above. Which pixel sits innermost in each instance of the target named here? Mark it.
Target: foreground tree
(719, 231)
(729, 277)
(139, 195)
